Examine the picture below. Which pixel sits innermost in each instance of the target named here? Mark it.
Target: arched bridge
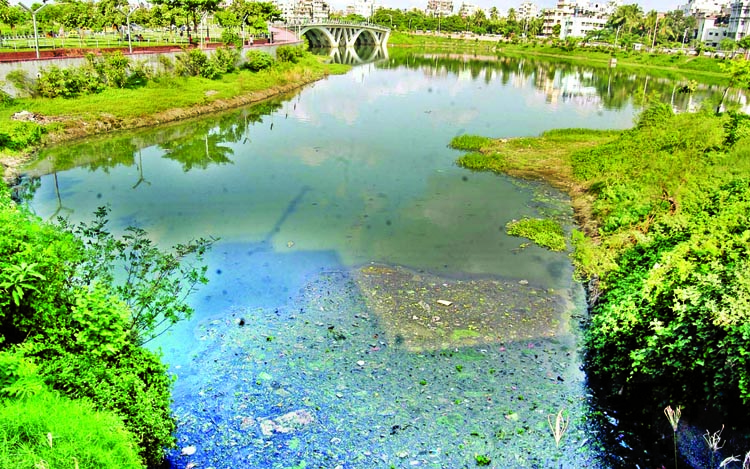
(342, 34)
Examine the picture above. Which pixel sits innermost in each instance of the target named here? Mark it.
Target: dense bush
(17, 135)
(60, 299)
(291, 54)
(226, 59)
(677, 311)
(55, 82)
(257, 60)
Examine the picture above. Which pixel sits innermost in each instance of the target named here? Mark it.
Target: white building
(580, 26)
(439, 7)
(578, 17)
(303, 11)
(739, 19)
(362, 8)
(704, 7)
(527, 11)
(467, 9)
(711, 30)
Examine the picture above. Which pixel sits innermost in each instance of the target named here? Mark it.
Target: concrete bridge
(335, 34)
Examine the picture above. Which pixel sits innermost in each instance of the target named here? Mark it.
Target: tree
(627, 17)
(556, 29)
(194, 9)
(739, 77)
(494, 15)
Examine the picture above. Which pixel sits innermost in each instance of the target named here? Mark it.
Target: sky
(504, 5)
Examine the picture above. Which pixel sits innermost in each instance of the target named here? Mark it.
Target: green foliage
(677, 310)
(195, 62)
(69, 82)
(257, 60)
(226, 59)
(132, 382)
(81, 306)
(544, 232)
(47, 430)
(17, 135)
(482, 162)
(19, 376)
(658, 114)
(230, 37)
(469, 142)
(156, 284)
(290, 54)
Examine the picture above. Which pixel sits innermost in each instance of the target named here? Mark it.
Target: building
(304, 11)
(712, 29)
(705, 8)
(580, 26)
(739, 19)
(439, 7)
(578, 17)
(467, 9)
(527, 11)
(362, 8)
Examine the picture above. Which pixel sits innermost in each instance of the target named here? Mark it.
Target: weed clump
(544, 232)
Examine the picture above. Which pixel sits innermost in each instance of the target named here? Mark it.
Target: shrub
(291, 54)
(67, 83)
(225, 59)
(677, 310)
(18, 135)
(47, 430)
(258, 60)
(230, 37)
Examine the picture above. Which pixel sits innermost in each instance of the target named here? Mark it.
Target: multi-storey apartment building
(301, 11)
(362, 8)
(527, 11)
(467, 9)
(739, 19)
(439, 7)
(578, 17)
(706, 8)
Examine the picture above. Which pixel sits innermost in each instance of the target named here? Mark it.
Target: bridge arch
(334, 34)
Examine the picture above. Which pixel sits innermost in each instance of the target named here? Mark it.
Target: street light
(127, 20)
(33, 19)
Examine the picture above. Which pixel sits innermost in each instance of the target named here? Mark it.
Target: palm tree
(627, 17)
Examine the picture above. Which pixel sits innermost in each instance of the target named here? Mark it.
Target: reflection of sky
(356, 165)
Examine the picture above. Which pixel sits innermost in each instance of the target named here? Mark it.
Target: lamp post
(33, 19)
(127, 20)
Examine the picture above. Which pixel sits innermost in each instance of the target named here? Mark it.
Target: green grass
(666, 65)
(123, 108)
(544, 232)
(49, 431)
(469, 142)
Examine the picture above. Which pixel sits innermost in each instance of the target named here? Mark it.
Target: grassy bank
(664, 207)
(166, 99)
(688, 66)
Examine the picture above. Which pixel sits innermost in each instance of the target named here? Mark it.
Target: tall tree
(627, 17)
(194, 9)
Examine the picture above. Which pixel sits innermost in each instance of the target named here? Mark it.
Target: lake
(365, 306)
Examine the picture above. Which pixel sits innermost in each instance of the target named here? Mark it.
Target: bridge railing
(334, 22)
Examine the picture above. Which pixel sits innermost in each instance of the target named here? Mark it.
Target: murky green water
(366, 308)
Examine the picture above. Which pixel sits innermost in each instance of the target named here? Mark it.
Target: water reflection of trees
(196, 144)
(610, 88)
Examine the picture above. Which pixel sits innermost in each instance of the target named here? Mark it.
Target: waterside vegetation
(663, 211)
(77, 304)
(114, 92)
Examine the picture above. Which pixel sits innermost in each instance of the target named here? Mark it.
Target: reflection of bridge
(342, 34)
(360, 55)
